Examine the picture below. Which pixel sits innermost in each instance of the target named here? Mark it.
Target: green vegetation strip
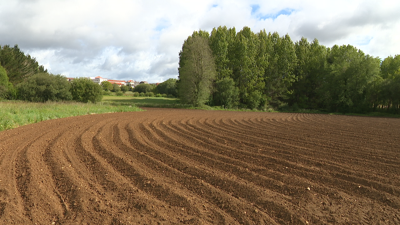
(17, 113)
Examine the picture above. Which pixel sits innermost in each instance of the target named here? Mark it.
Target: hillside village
(99, 80)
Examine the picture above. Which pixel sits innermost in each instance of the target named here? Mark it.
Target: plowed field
(174, 166)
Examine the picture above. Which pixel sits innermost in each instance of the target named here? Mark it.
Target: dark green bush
(143, 88)
(44, 87)
(85, 90)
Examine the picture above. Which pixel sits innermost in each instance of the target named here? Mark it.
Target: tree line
(264, 70)
(22, 78)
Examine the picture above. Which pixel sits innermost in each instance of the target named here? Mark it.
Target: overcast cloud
(141, 39)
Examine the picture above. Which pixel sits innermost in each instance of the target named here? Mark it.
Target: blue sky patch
(255, 12)
(364, 40)
(254, 9)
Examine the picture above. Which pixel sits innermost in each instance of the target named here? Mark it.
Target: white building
(98, 79)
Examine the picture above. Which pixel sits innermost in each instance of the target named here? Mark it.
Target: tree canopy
(196, 70)
(18, 65)
(44, 87)
(143, 88)
(168, 87)
(260, 70)
(85, 90)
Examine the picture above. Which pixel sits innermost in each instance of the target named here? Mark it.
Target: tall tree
(219, 43)
(279, 75)
(345, 84)
(311, 65)
(246, 72)
(196, 70)
(18, 65)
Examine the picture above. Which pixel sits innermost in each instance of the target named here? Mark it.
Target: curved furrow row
(373, 139)
(368, 183)
(282, 139)
(141, 177)
(347, 175)
(202, 181)
(174, 166)
(336, 151)
(358, 181)
(385, 162)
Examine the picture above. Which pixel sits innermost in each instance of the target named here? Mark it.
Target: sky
(141, 39)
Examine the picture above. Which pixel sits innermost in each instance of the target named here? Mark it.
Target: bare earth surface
(174, 166)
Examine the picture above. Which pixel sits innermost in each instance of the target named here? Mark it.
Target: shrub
(7, 90)
(107, 93)
(119, 93)
(135, 94)
(85, 90)
(116, 88)
(144, 88)
(124, 88)
(141, 94)
(44, 87)
(226, 95)
(167, 87)
(158, 95)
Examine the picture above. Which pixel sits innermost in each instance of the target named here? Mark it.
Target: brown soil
(173, 166)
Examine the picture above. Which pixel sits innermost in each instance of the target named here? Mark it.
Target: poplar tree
(196, 70)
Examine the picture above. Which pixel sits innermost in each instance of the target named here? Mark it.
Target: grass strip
(18, 113)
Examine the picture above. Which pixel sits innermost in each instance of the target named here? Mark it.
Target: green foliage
(226, 94)
(344, 86)
(44, 87)
(18, 65)
(167, 87)
(270, 70)
(3, 77)
(107, 93)
(3, 83)
(18, 113)
(124, 88)
(279, 73)
(196, 70)
(116, 87)
(143, 88)
(85, 90)
(135, 94)
(107, 86)
(119, 93)
(219, 43)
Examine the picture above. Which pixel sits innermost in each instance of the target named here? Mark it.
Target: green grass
(17, 113)
(160, 102)
(144, 101)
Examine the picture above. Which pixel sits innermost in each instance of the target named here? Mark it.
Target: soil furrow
(176, 166)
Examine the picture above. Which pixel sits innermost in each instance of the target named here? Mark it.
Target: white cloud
(141, 40)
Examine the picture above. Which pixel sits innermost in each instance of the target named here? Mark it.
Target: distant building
(119, 82)
(99, 79)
